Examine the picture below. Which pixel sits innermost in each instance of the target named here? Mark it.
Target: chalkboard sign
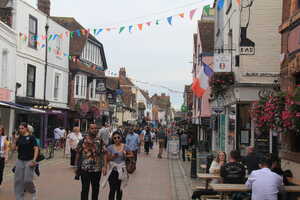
(262, 144)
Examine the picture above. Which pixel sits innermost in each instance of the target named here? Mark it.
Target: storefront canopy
(20, 107)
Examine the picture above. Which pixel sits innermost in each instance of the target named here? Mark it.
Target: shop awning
(20, 107)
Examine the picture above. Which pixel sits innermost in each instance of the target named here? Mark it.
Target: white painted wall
(36, 57)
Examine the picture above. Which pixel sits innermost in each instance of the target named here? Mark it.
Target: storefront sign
(100, 86)
(222, 63)
(5, 94)
(261, 74)
(247, 50)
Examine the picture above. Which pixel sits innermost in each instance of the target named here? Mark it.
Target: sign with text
(222, 63)
(100, 86)
(247, 50)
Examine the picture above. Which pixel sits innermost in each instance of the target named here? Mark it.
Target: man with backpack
(147, 140)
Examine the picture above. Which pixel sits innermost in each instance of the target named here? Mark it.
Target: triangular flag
(67, 33)
(99, 31)
(181, 15)
(107, 29)
(55, 35)
(61, 36)
(49, 49)
(192, 13)
(140, 26)
(130, 28)
(148, 23)
(44, 37)
(95, 30)
(238, 1)
(220, 4)
(169, 19)
(43, 46)
(78, 32)
(206, 10)
(157, 22)
(82, 31)
(71, 34)
(50, 37)
(122, 29)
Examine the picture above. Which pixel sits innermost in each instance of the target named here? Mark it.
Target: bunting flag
(220, 4)
(107, 29)
(140, 26)
(192, 13)
(99, 31)
(148, 23)
(122, 29)
(130, 28)
(181, 15)
(238, 1)
(50, 36)
(67, 33)
(95, 31)
(169, 19)
(206, 10)
(78, 33)
(157, 22)
(71, 34)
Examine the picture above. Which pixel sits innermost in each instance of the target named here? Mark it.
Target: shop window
(30, 90)
(32, 32)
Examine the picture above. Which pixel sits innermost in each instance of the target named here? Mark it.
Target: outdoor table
(208, 177)
(228, 188)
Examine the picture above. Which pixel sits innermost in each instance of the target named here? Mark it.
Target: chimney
(44, 6)
(122, 72)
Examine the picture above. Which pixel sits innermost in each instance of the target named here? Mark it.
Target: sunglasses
(117, 138)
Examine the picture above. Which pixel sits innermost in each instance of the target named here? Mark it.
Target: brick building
(290, 77)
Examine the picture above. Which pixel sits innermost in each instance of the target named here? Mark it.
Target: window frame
(29, 66)
(31, 34)
(80, 89)
(56, 88)
(4, 69)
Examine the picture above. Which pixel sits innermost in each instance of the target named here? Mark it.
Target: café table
(208, 177)
(229, 188)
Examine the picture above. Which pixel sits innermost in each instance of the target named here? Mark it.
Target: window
(32, 32)
(30, 90)
(58, 44)
(93, 90)
(56, 85)
(77, 85)
(4, 69)
(80, 86)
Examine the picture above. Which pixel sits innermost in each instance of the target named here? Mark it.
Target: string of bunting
(121, 29)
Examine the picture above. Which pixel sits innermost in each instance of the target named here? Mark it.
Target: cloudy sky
(159, 54)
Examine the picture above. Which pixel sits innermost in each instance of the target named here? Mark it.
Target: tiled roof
(77, 43)
(112, 83)
(206, 31)
(77, 66)
(3, 3)
(146, 95)
(125, 81)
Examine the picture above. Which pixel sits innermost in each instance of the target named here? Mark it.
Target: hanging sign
(222, 63)
(100, 86)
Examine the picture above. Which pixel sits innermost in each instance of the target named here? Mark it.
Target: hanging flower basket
(279, 112)
(220, 82)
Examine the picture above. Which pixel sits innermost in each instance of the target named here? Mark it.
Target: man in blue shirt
(133, 142)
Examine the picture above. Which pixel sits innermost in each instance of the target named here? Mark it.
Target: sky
(159, 54)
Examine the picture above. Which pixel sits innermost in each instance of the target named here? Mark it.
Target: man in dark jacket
(251, 160)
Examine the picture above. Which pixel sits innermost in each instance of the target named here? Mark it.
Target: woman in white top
(218, 163)
(3, 152)
(74, 138)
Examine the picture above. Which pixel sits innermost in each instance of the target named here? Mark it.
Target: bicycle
(50, 147)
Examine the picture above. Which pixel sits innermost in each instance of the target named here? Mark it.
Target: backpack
(147, 137)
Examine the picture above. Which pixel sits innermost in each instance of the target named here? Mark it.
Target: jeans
(2, 164)
(73, 157)
(115, 186)
(87, 179)
(147, 146)
(23, 179)
(183, 148)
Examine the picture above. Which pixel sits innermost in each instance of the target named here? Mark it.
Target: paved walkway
(153, 180)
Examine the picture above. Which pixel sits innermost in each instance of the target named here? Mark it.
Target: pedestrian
(251, 160)
(115, 169)
(264, 183)
(59, 134)
(233, 172)
(161, 136)
(133, 143)
(27, 148)
(90, 162)
(152, 138)
(37, 167)
(73, 139)
(147, 140)
(103, 134)
(184, 144)
(3, 152)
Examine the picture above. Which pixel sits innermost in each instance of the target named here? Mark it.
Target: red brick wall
(286, 8)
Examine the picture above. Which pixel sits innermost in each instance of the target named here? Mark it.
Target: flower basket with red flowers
(219, 82)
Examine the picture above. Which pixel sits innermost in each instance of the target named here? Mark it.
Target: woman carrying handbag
(115, 167)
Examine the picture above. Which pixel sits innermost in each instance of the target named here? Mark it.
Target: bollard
(194, 163)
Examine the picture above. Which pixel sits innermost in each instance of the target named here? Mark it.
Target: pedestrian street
(151, 180)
